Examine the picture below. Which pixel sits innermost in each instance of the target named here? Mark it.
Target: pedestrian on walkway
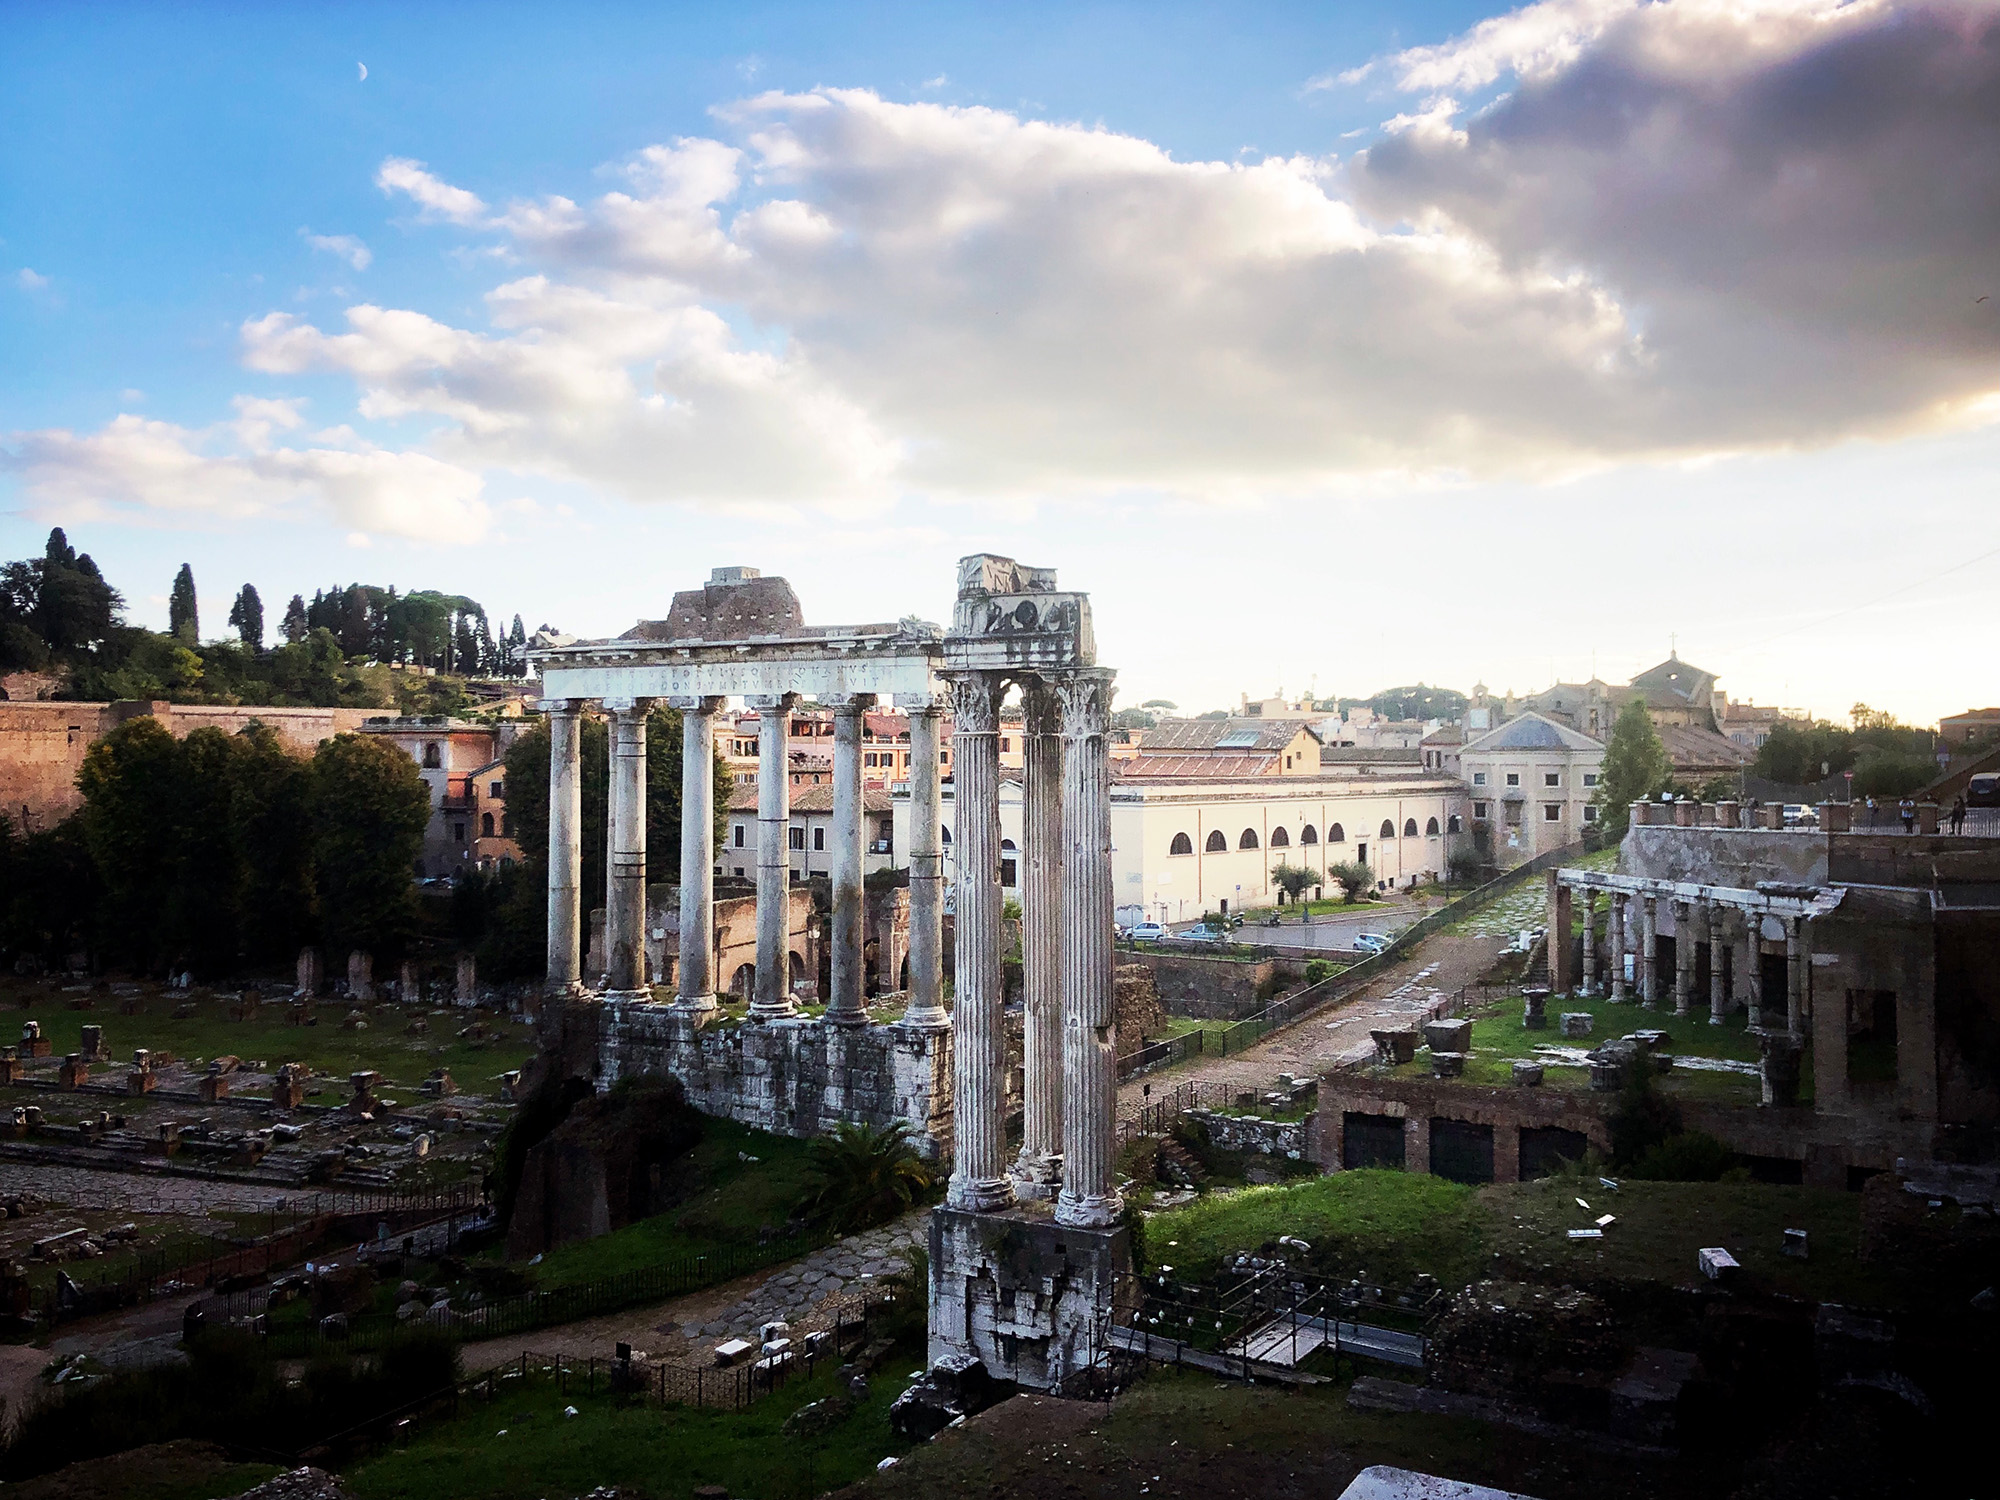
(1871, 812)
(1958, 815)
(1907, 810)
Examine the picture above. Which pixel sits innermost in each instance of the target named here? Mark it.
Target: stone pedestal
(409, 984)
(361, 977)
(1028, 1297)
(33, 1043)
(75, 1072)
(93, 1049)
(466, 990)
(308, 973)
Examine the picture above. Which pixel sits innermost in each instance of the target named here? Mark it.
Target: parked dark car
(1983, 790)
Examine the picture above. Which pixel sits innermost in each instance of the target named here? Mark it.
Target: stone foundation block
(1576, 1023)
(1447, 1064)
(1448, 1036)
(1391, 1048)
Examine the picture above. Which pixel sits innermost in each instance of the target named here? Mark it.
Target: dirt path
(1414, 989)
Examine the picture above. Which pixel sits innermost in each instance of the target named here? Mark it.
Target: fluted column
(1753, 970)
(1589, 942)
(773, 998)
(926, 1005)
(1683, 956)
(979, 1168)
(1089, 1198)
(1718, 960)
(696, 984)
(1795, 976)
(565, 965)
(1621, 910)
(846, 1005)
(625, 853)
(1649, 955)
(1039, 1167)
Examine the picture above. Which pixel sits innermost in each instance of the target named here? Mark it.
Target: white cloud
(435, 198)
(346, 246)
(30, 280)
(136, 462)
(1684, 228)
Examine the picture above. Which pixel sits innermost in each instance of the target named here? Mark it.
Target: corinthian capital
(975, 702)
(1085, 699)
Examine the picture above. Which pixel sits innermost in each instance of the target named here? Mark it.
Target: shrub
(859, 1176)
(1685, 1156)
(1319, 970)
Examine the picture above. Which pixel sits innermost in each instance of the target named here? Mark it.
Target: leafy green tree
(369, 811)
(200, 923)
(294, 628)
(1635, 768)
(859, 1176)
(49, 893)
(1355, 877)
(132, 786)
(183, 618)
(1296, 880)
(270, 816)
(246, 617)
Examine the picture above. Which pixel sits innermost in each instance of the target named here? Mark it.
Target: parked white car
(1372, 942)
(1146, 932)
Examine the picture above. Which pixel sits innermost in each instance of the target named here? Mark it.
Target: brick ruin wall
(42, 744)
(794, 1078)
(1213, 989)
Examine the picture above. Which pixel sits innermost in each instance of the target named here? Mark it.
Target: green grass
(1499, 1040)
(656, 1452)
(732, 1202)
(331, 1052)
(1392, 1224)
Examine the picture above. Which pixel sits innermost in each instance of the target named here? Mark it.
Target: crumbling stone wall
(796, 1078)
(612, 1160)
(1136, 1004)
(1212, 989)
(1286, 1138)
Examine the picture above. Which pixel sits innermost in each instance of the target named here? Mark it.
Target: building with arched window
(463, 767)
(1181, 847)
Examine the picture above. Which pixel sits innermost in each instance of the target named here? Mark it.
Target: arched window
(1182, 844)
(486, 825)
(1336, 835)
(1249, 839)
(1280, 839)
(1452, 825)
(1388, 830)
(433, 756)
(1007, 846)
(1217, 844)
(1431, 829)
(947, 837)
(1409, 828)
(1308, 835)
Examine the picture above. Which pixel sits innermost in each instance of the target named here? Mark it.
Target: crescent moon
(364, 72)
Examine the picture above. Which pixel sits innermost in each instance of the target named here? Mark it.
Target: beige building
(463, 765)
(811, 834)
(1182, 846)
(1531, 783)
(1204, 749)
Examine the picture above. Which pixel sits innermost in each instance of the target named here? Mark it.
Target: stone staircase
(1175, 1164)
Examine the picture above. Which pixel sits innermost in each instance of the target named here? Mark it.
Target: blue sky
(1428, 372)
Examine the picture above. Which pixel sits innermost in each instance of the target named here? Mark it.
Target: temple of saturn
(1025, 1252)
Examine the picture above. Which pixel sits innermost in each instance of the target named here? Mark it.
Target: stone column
(696, 988)
(565, 963)
(1089, 1197)
(1683, 956)
(845, 1006)
(773, 998)
(1649, 954)
(1590, 986)
(1039, 1167)
(926, 1007)
(979, 1180)
(1562, 978)
(1620, 911)
(1718, 960)
(625, 853)
(1795, 975)
(1753, 970)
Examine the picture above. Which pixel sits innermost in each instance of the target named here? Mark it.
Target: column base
(980, 1195)
(789, 1011)
(698, 1009)
(1089, 1212)
(562, 989)
(845, 1017)
(1715, 1020)
(1036, 1176)
(929, 1018)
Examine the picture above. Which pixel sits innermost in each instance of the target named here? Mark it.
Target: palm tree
(859, 1176)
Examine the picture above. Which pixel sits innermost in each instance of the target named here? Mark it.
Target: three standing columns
(625, 854)
(979, 1179)
(696, 989)
(1038, 1169)
(926, 1007)
(772, 1000)
(565, 966)
(1089, 1198)
(846, 1005)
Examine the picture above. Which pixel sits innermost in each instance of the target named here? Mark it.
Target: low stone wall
(797, 1078)
(1212, 989)
(1287, 1138)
